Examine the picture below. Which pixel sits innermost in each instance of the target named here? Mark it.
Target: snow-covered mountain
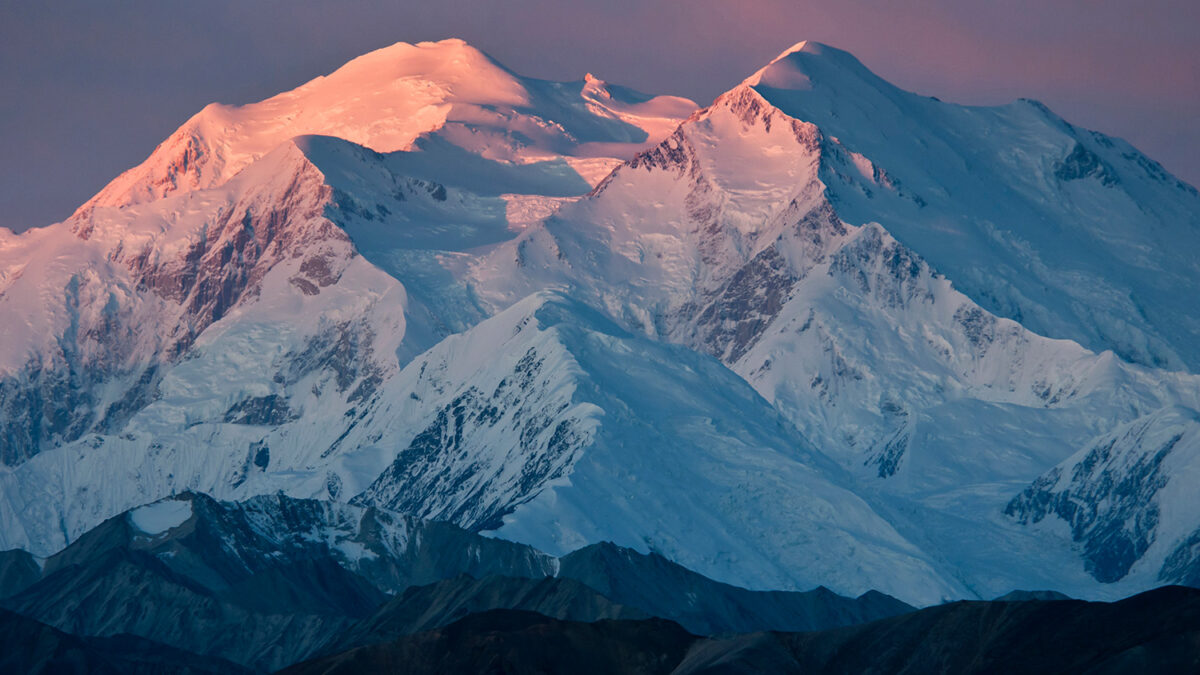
(145, 282)
(399, 97)
(1073, 233)
(819, 332)
(732, 237)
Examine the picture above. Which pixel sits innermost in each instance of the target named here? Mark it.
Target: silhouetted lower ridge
(1156, 631)
(273, 580)
(515, 641)
(29, 646)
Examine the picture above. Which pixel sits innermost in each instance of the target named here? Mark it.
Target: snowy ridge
(160, 517)
(387, 99)
(1075, 234)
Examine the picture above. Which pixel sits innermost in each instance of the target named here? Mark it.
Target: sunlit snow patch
(161, 516)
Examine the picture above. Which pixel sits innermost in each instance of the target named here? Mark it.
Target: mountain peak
(388, 98)
(795, 66)
(812, 48)
(451, 64)
(803, 45)
(449, 48)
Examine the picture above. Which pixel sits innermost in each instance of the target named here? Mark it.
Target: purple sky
(87, 89)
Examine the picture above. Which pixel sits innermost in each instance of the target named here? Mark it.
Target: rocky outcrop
(1113, 495)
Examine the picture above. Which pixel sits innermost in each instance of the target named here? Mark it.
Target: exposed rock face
(745, 306)
(1083, 163)
(1116, 495)
(528, 420)
(428, 478)
(1182, 565)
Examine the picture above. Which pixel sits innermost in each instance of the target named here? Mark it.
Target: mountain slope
(243, 319)
(1075, 234)
(734, 237)
(731, 237)
(704, 607)
(1152, 632)
(262, 583)
(271, 580)
(635, 586)
(1129, 499)
(27, 646)
(209, 319)
(551, 426)
(429, 607)
(513, 641)
(18, 569)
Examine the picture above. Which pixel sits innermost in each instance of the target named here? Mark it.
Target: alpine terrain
(424, 338)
